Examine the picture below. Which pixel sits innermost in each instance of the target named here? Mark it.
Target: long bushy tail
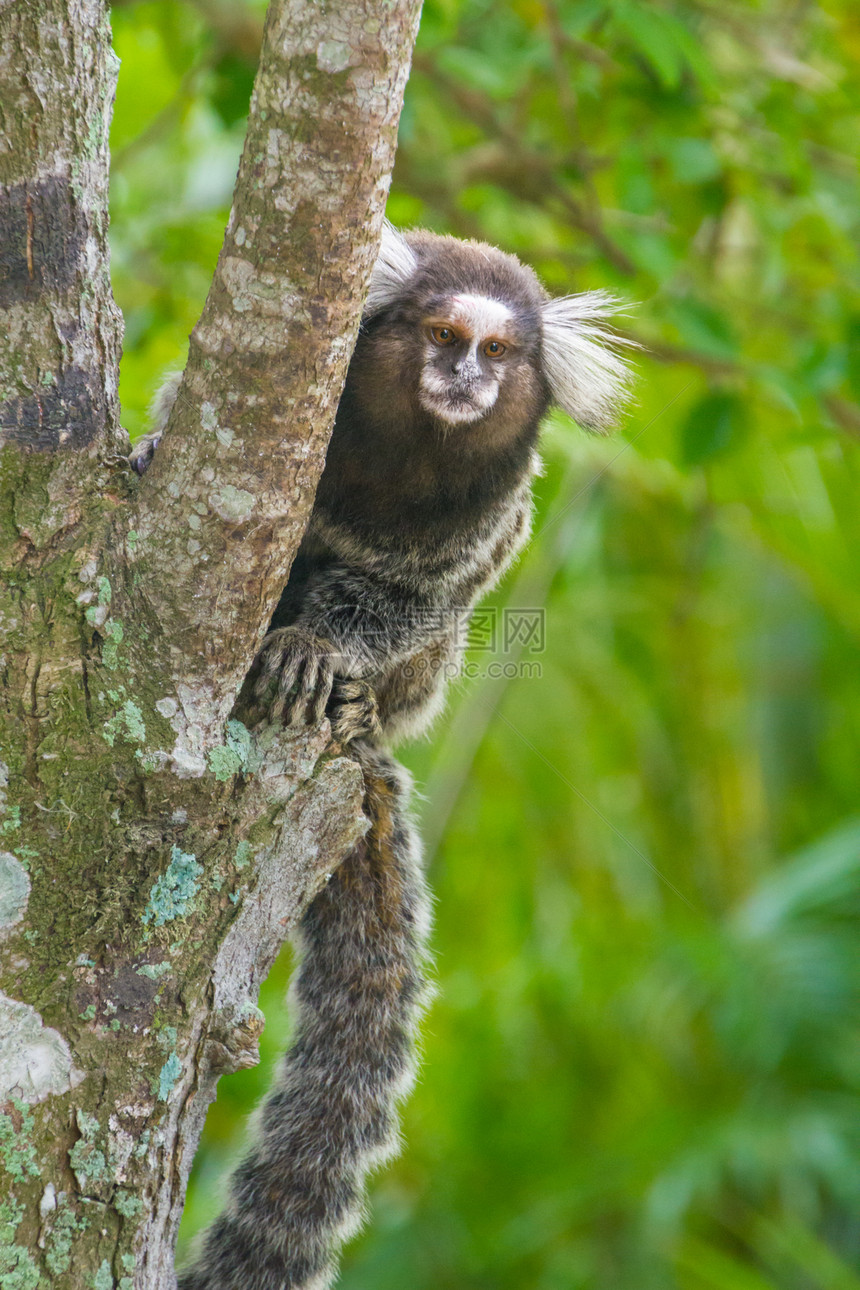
(333, 1113)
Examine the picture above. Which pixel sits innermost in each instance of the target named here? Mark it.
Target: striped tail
(332, 1115)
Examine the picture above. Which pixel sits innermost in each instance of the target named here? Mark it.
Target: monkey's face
(471, 346)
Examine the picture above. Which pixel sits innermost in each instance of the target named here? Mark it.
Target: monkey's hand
(353, 712)
(293, 682)
(162, 406)
(293, 676)
(143, 452)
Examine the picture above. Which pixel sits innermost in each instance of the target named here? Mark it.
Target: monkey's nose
(466, 369)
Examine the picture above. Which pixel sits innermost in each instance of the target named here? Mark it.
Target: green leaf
(825, 873)
(717, 1270)
(693, 161)
(796, 1242)
(654, 38)
(232, 83)
(702, 326)
(713, 427)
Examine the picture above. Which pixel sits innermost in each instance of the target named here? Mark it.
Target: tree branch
(221, 511)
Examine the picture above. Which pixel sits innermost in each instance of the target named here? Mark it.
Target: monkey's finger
(276, 680)
(268, 663)
(320, 698)
(265, 691)
(305, 690)
(289, 687)
(262, 692)
(270, 666)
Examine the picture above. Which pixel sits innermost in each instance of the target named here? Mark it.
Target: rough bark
(153, 854)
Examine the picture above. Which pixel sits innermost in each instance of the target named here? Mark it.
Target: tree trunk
(153, 853)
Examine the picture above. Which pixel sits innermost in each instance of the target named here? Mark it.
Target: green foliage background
(642, 1070)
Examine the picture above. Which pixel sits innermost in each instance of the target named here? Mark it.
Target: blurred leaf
(694, 161)
(715, 1269)
(233, 79)
(474, 70)
(149, 78)
(827, 873)
(714, 426)
(793, 1244)
(702, 326)
(653, 35)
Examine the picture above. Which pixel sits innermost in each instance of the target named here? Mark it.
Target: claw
(295, 676)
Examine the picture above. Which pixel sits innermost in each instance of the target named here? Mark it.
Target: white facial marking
(481, 316)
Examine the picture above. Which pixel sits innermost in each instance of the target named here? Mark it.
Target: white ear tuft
(394, 266)
(586, 377)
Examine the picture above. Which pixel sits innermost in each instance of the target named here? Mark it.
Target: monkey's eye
(494, 349)
(443, 335)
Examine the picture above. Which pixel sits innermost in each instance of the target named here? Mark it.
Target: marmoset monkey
(424, 501)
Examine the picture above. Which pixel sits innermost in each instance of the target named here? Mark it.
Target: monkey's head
(473, 347)
(471, 335)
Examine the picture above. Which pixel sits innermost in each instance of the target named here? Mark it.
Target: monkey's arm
(347, 626)
(370, 623)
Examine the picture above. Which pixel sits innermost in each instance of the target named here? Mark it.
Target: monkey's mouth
(461, 399)
(456, 406)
